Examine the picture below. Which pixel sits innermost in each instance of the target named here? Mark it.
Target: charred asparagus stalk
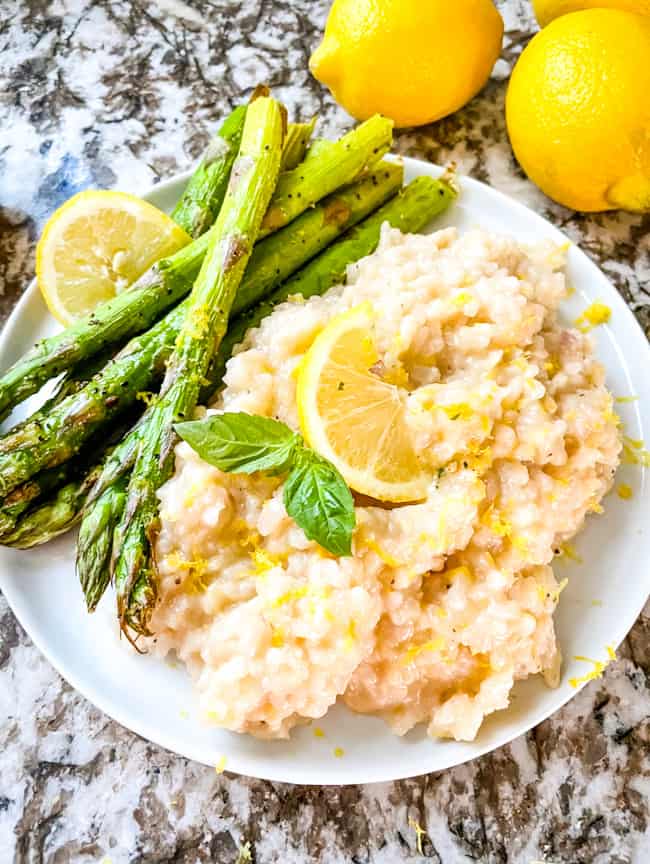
(254, 177)
(201, 201)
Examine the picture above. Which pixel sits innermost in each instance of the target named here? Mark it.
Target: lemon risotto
(446, 602)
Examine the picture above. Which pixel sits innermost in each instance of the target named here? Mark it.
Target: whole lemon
(411, 60)
(578, 110)
(547, 10)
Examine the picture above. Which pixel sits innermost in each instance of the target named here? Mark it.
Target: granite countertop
(115, 93)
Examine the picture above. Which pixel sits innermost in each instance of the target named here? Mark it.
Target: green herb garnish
(315, 494)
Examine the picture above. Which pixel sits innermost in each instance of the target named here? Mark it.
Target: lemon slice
(354, 418)
(96, 245)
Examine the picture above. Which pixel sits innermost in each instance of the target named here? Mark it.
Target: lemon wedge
(96, 245)
(352, 417)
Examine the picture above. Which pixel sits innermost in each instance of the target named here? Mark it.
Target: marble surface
(116, 93)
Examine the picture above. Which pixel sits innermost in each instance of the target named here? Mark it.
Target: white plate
(155, 700)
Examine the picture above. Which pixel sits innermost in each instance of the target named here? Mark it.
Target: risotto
(446, 602)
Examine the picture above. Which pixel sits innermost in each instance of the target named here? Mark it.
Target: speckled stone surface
(116, 93)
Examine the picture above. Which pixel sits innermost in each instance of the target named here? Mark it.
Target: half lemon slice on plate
(96, 245)
(352, 417)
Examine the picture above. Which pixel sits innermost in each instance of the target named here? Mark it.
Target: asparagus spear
(295, 144)
(201, 201)
(170, 279)
(46, 521)
(95, 541)
(326, 170)
(254, 177)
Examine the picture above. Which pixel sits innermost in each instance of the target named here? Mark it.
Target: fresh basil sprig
(315, 494)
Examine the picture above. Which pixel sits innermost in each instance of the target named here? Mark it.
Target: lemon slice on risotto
(354, 418)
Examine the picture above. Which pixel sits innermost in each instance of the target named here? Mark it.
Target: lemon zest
(597, 671)
(596, 602)
(414, 651)
(339, 752)
(265, 560)
(519, 543)
(288, 596)
(493, 520)
(462, 298)
(277, 637)
(568, 551)
(554, 595)
(622, 400)
(458, 411)
(592, 316)
(318, 732)
(146, 396)
(198, 321)
(624, 491)
(462, 570)
(381, 553)
(350, 635)
(194, 582)
(220, 766)
(552, 365)
(419, 834)
(634, 452)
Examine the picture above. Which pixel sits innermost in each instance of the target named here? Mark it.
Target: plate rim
(112, 708)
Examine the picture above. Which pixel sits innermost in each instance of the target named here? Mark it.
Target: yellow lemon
(410, 60)
(578, 110)
(96, 245)
(353, 417)
(547, 10)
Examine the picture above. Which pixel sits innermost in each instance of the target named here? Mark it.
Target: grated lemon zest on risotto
(462, 298)
(493, 520)
(463, 570)
(277, 637)
(265, 561)
(414, 651)
(350, 635)
(339, 752)
(622, 400)
(196, 569)
(381, 553)
(552, 595)
(624, 491)
(593, 316)
(318, 732)
(221, 765)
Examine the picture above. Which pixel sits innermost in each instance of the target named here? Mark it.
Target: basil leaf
(318, 499)
(241, 443)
